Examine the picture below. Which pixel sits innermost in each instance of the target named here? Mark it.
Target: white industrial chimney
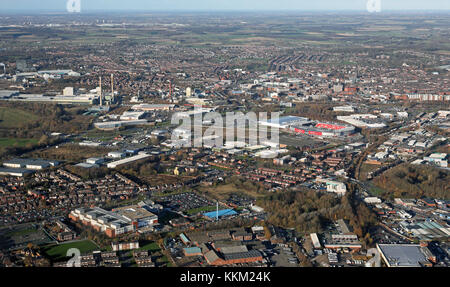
(112, 88)
(100, 91)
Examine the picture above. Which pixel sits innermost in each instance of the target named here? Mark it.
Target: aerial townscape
(354, 171)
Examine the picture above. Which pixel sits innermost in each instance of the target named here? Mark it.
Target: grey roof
(7, 93)
(26, 161)
(234, 249)
(15, 170)
(402, 255)
(240, 255)
(211, 256)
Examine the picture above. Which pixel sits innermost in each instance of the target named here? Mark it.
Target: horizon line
(140, 11)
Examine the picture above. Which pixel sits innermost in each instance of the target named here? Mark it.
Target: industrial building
(216, 259)
(192, 251)
(65, 98)
(344, 239)
(315, 241)
(132, 116)
(426, 230)
(33, 164)
(363, 121)
(154, 107)
(118, 124)
(18, 172)
(403, 255)
(284, 122)
(127, 160)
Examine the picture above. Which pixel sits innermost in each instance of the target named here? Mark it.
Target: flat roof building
(402, 255)
(138, 215)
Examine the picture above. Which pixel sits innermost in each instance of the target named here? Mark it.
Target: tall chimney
(112, 87)
(100, 92)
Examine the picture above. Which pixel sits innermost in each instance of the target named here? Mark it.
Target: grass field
(71, 152)
(13, 118)
(11, 142)
(222, 192)
(22, 232)
(150, 246)
(57, 252)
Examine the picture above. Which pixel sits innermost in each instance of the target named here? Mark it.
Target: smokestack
(100, 92)
(112, 87)
(217, 211)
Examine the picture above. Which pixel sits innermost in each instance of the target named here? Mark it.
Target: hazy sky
(307, 5)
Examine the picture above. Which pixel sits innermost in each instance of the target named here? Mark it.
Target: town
(91, 158)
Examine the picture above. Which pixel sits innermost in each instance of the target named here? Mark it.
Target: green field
(13, 118)
(57, 252)
(22, 232)
(11, 142)
(150, 246)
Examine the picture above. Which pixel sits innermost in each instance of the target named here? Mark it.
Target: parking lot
(186, 201)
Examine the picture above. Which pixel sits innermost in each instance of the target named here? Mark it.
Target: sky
(222, 5)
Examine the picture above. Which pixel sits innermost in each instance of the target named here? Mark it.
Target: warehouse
(315, 241)
(95, 160)
(118, 124)
(19, 172)
(402, 255)
(192, 251)
(127, 160)
(34, 164)
(284, 122)
(132, 116)
(155, 107)
(85, 99)
(213, 258)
